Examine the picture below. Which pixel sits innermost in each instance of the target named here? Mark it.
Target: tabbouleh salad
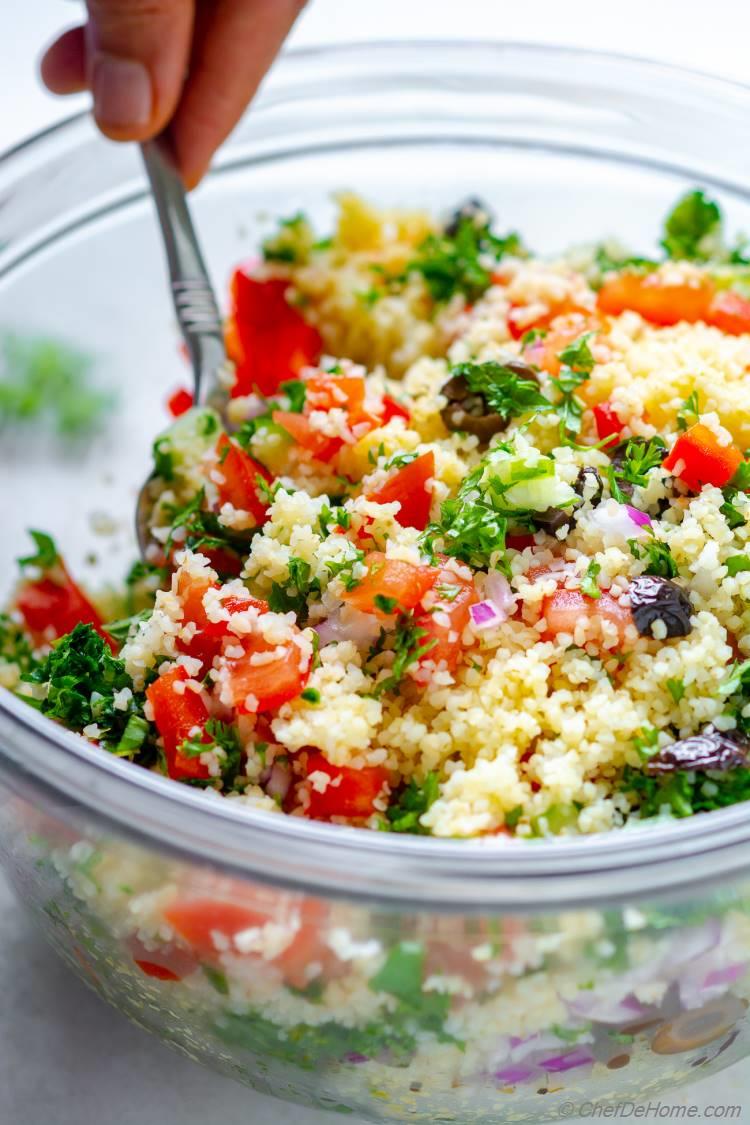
(468, 554)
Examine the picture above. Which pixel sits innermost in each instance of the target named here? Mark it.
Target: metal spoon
(193, 297)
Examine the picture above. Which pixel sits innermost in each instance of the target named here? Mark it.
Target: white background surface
(65, 1059)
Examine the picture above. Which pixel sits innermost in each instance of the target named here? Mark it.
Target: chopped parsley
(401, 976)
(296, 392)
(43, 381)
(647, 742)
(684, 792)
(46, 556)
(82, 678)
(693, 228)
(689, 412)
(505, 391)
(660, 561)
(295, 596)
(163, 456)
(345, 568)
(737, 563)
(589, 583)
(633, 462)
(577, 364)
(676, 689)
(203, 529)
(410, 804)
(385, 604)
(220, 738)
(120, 630)
(311, 695)
(292, 242)
(409, 646)
(457, 263)
(15, 647)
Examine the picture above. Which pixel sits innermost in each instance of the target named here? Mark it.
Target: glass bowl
(394, 977)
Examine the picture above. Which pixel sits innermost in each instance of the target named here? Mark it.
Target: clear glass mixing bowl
(433, 980)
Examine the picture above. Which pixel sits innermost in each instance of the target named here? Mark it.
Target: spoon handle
(192, 292)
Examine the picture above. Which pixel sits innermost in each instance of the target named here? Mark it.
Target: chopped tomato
(159, 972)
(608, 422)
(411, 487)
(544, 352)
(446, 616)
(240, 486)
(258, 684)
(702, 459)
(657, 300)
(55, 603)
(179, 402)
(520, 541)
(519, 322)
(326, 392)
(208, 639)
(351, 793)
(177, 716)
(392, 408)
(197, 920)
(564, 609)
(730, 312)
(320, 445)
(398, 583)
(269, 340)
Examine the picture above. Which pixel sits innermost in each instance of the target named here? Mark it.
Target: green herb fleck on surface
(411, 803)
(589, 583)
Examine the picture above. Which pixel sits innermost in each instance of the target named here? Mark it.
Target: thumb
(137, 54)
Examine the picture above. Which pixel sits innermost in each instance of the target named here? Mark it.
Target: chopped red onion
(347, 624)
(510, 1075)
(486, 615)
(499, 592)
(578, 1056)
(621, 521)
(279, 780)
(640, 519)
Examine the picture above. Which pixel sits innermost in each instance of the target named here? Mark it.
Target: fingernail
(122, 92)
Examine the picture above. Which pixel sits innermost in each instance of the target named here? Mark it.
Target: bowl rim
(446, 874)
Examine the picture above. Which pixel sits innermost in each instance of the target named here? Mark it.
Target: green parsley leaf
(43, 380)
(589, 584)
(385, 604)
(577, 365)
(310, 695)
(693, 228)
(344, 568)
(689, 412)
(676, 689)
(456, 263)
(120, 630)
(132, 738)
(203, 530)
(659, 555)
(737, 563)
(163, 455)
(638, 458)
(409, 646)
(217, 979)
(47, 555)
(296, 392)
(15, 647)
(296, 595)
(217, 737)
(411, 803)
(292, 242)
(647, 742)
(505, 391)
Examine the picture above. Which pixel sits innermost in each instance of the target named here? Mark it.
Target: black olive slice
(710, 750)
(659, 599)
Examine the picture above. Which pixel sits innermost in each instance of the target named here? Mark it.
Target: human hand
(191, 64)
